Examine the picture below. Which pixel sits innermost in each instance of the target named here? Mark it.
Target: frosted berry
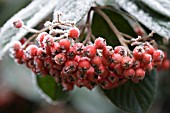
(83, 65)
(127, 62)
(64, 44)
(60, 59)
(120, 50)
(139, 74)
(116, 58)
(107, 52)
(79, 48)
(147, 58)
(73, 32)
(17, 23)
(158, 55)
(48, 40)
(90, 51)
(100, 43)
(129, 73)
(96, 61)
(16, 45)
(31, 51)
(138, 52)
(40, 38)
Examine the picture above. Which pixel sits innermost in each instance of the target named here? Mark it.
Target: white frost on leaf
(159, 26)
(73, 10)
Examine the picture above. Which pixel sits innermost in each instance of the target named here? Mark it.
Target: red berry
(112, 77)
(38, 62)
(106, 62)
(71, 53)
(158, 55)
(99, 70)
(31, 51)
(147, 58)
(60, 59)
(127, 62)
(91, 75)
(17, 23)
(64, 44)
(129, 73)
(48, 40)
(149, 49)
(120, 50)
(79, 48)
(83, 65)
(96, 61)
(149, 67)
(41, 53)
(72, 65)
(40, 38)
(136, 64)
(166, 64)
(138, 52)
(100, 43)
(118, 69)
(16, 46)
(48, 63)
(107, 52)
(90, 51)
(116, 58)
(73, 32)
(139, 74)
(55, 49)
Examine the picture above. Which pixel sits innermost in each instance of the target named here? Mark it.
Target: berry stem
(114, 29)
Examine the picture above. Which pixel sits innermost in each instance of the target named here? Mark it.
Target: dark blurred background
(18, 94)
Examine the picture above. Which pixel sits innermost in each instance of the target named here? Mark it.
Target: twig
(114, 29)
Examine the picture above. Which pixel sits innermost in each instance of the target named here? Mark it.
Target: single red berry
(129, 73)
(120, 50)
(149, 49)
(64, 44)
(48, 40)
(55, 49)
(107, 52)
(147, 58)
(83, 65)
(148, 68)
(127, 62)
(106, 73)
(79, 48)
(118, 69)
(90, 51)
(111, 66)
(48, 63)
(100, 43)
(116, 58)
(138, 52)
(91, 75)
(158, 55)
(81, 74)
(105, 61)
(19, 54)
(139, 74)
(105, 84)
(73, 32)
(112, 77)
(72, 65)
(166, 64)
(17, 23)
(99, 70)
(60, 59)
(71, 53)
(41, 53)
(96, 61)
(31, 51)
(40, 38)
(16, 45)
(136, 64)
(77, 58)
(38, 62)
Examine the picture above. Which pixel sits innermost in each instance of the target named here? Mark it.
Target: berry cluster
(82, 65)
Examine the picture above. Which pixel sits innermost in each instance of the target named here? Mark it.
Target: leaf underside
(153, 14)
(134, 98)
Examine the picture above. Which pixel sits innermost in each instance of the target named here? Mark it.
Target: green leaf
(49, 89)
(153, 14)
(132, 97)
(100, 28)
